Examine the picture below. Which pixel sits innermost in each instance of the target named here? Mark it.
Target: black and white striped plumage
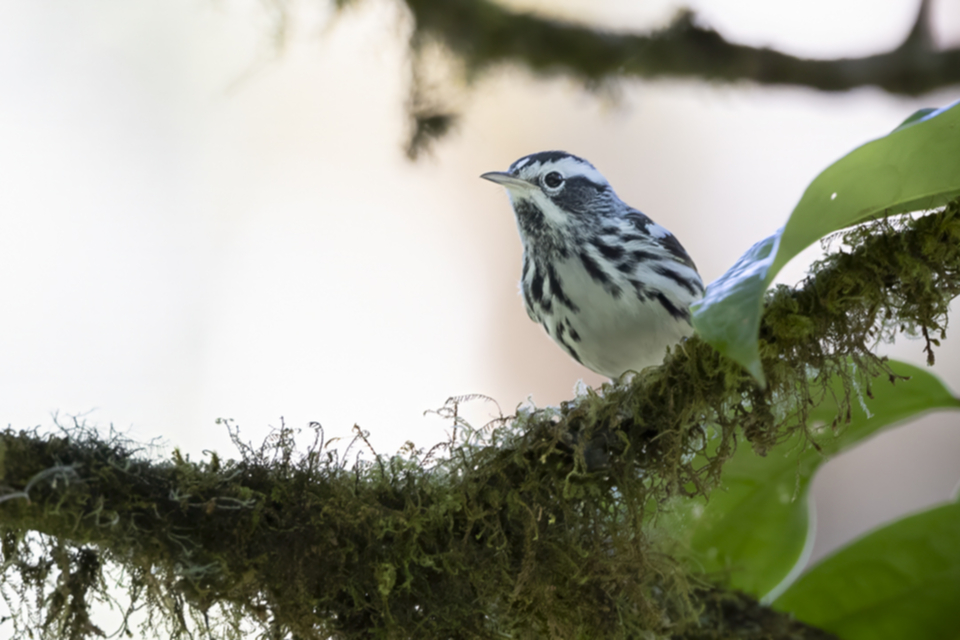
(609, 285)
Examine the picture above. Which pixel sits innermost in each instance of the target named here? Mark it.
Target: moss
(531, 527)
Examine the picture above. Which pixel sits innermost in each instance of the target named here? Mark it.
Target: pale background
(196, 225)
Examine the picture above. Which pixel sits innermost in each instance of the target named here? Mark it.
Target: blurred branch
(485, 33)
(482, 33)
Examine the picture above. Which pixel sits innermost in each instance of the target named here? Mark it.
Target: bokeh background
(198, 223)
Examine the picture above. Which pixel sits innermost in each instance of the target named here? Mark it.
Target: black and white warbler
(609, 285)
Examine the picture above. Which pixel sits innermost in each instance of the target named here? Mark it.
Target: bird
(609, 285)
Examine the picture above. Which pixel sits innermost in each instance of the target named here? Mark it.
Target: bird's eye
(553, 180)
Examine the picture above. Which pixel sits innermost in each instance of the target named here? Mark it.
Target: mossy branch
(539, 527)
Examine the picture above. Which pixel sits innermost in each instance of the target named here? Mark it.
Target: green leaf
(901, 581)
(914, 167)
(756, 526)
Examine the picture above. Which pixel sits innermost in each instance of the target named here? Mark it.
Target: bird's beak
(507, 180)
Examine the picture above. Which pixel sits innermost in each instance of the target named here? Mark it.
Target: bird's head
(556, 189)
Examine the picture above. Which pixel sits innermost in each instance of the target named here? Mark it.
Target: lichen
(534, 526)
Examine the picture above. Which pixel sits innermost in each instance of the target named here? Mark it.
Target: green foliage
(900, 581)
(915, 167)
(753, 530)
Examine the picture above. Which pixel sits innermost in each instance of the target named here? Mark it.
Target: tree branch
(484, 33)
(540, 530)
